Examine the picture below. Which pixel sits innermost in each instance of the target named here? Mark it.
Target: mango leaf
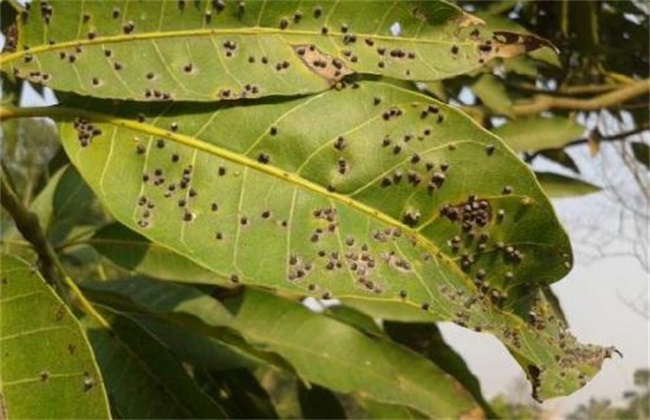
(134, 252)
(493, 94)
(47, 369)
(379, 410)
(337, 357)
(561, 186)
(210, 50)
(641, 152)
(144, 379)
(537, 133)
(345, 360)
(63, 204)
(317, 402)
(561, 157)
(240, 393)
(271, 201)
(426, 339)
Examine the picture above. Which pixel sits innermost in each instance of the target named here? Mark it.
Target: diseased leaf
(561, 186)
(134, 252)
(467, 235)
(144, 378)
(377, 410)
(208, 50)
(45, 355)
(537, 133)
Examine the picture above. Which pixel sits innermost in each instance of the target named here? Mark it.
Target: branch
(540, 103)
(28, 225)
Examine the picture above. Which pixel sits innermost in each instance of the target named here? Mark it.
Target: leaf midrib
(5, 58)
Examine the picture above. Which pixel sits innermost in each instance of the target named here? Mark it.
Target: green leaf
(561, 157)
(200, 52)
(47, 369)
(491, 91)
(134, 252)
(272, 201)
(239, 393)
(378, 410)
(641, 152)
(317, 402)
(318, 348)
(64, 203)
(537, 133)
(143, 377)
(426, 339)
(343, 359)
(561, 186)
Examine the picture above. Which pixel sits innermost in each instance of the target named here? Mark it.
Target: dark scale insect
(376, 101)
(218, 236)
(318, 12)
(489, 149)
(128, 27)
(188, 68)
(234, 278)
(150, 75)
(339, 144)
(92, 35)
(243, 221)
(263, 158)
(85, 18)
(221, 171)
(118, 66)
(208, 16)
(188, 216)
(507, 190)
(273, 131)
(284, 24)
(116, 13)
(96, 82)
(63, 55)
(454, 49)
(343, 166)
(425, 306)
(160, 143)
(297, 17)
(266, 214)
(181, 5)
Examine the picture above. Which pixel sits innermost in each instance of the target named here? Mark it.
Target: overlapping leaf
(211, 50)
(44, 353)
(372, 192)
(338, 356)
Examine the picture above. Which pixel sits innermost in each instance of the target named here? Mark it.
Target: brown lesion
(330, 68)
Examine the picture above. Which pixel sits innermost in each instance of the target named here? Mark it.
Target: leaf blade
(34, 377)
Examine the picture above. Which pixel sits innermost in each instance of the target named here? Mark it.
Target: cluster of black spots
(156, 94)
(469, 214)
(461, 318)
(391, 113)
(349, 39)
(263, 158)
(340, 144)
(411, 217)
(46, 12)
(252, 89)
(282, 65)
(342, 166)
(230, 47)
(397, 263)
(298, 268)
(431, 109)
(218, 5)
(128, 27)
(225, 93)
(85, 131)
(513, 255)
